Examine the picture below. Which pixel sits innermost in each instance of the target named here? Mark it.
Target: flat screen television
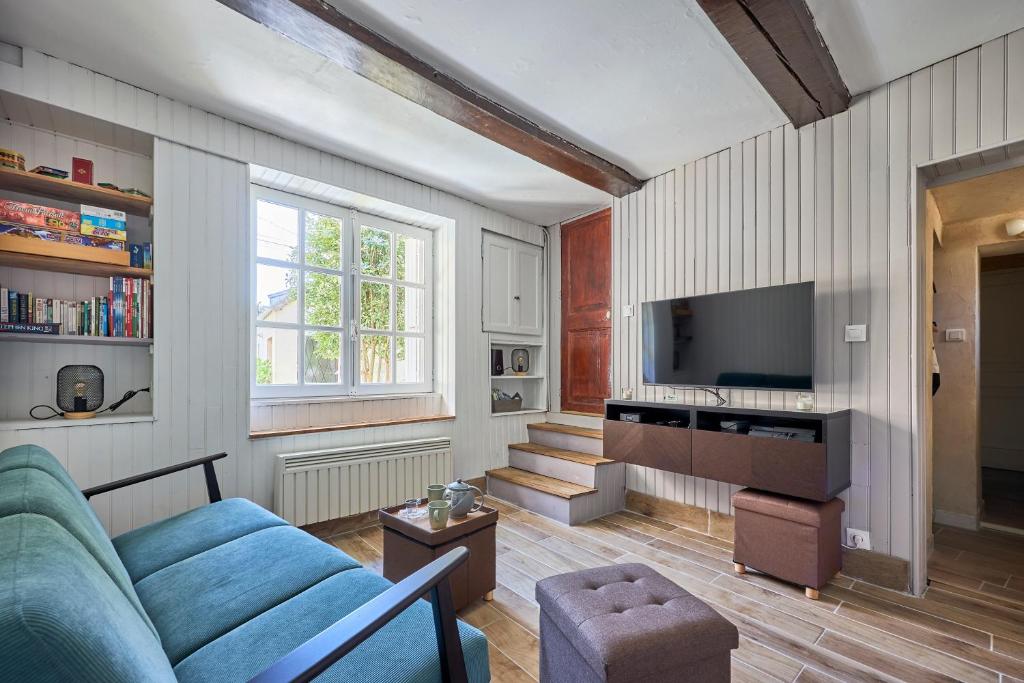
(751, 339)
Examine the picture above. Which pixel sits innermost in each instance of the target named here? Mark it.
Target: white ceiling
(646, 85)
(876, 41)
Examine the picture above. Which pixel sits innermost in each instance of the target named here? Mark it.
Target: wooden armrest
(212, 488)
(313, 657)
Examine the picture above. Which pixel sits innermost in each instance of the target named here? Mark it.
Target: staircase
(561, 474)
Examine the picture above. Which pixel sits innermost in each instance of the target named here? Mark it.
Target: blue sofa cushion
(62, 618)
(39, 458)
(32, 490)
(201, 598)
(150, 548)
(405, 650)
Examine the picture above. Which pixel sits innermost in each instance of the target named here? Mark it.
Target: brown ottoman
(627, 622)
(792, 539)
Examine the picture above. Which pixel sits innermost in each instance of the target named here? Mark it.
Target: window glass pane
(323, 241)
(323, 358)
(277, 356)
(410, 308)
(375, 251)
(277, 294)
(410, 259)
(409, 360)
(277, 231)
(322, 299)
(374, 359)
(375, 306)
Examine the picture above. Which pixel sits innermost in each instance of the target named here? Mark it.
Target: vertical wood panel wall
(201, 362)
(829, 202)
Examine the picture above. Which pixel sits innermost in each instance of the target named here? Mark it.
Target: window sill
(305, 400)
(272, 433)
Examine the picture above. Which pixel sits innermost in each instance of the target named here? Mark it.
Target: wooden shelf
(58, 422)
(517, 376)
(70, 191)
(524, 411)
(66, 265)
(72, 339)
(293, 431)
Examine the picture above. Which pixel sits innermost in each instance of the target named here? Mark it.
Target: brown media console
(696, 440)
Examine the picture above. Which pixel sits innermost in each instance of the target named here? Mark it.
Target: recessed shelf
(73, 266)
(70, 191)
(517, 376)
(526, 411)
(72, 339)
(58, 422)
(516, 342)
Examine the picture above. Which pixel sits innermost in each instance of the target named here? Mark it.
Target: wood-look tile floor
(969, 626)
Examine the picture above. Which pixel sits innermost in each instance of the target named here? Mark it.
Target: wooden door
(586, 312)
(498, 275)
(529, 289)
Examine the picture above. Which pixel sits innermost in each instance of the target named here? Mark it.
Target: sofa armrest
(212, 488)
(313, 657)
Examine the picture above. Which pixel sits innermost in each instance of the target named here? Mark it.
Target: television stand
(791, 452)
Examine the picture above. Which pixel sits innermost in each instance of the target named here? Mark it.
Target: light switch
(627, 311)
(856, 333)
(956, 334)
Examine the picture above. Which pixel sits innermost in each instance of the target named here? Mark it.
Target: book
(98, 212)
(23, 308)
(147, 255)
(136, 256)
(3, 305)
(124, 311)
(30, 328)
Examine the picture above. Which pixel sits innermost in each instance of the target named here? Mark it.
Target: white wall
(830, 203)
(201, 361)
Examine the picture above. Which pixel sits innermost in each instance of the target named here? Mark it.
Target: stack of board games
(93, 227)
(125, 311)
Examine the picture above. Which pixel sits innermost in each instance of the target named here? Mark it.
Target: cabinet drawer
(793, 468)
(664, 448)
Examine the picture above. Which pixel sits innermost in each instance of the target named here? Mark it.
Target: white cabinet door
(528, 289)
(499, 273)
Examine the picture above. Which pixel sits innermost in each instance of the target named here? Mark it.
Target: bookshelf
(72, 192)
(532, 387)
(72, 273)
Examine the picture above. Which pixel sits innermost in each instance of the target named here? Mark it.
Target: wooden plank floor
(968, 627)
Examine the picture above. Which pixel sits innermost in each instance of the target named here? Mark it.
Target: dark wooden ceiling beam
(323, 29)
(779, 43)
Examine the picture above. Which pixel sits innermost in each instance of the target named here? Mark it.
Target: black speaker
(79, 391)
(497, 362)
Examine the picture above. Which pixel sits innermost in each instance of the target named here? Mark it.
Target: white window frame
(351, 225)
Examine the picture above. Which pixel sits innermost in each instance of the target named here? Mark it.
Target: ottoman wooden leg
(488, 596)
(739, 568)
(812, 593)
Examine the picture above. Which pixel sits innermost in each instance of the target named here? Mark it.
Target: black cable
(714, 392)
(56, 413)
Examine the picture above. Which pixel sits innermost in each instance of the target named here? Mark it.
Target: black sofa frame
(317, 654)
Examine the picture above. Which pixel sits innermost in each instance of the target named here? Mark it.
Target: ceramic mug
(438, 511)
(435, 491)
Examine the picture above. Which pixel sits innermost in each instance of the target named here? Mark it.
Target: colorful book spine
(105, 233)
(100, 222)
(99, 212)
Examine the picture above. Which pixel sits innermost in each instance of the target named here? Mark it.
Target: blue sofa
(224, 592)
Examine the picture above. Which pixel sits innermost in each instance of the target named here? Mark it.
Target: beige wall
(955, 432)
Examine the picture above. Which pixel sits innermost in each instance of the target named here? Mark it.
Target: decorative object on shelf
(11, 159)
(109, 186)
(805, 402)
(50, 172)
(497, 362)
(81, 170)
(135, 192)
(79, 391)
(462, 499)
(502, 402)
(520, 361)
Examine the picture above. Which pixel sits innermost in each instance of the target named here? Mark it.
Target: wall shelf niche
(70, 191)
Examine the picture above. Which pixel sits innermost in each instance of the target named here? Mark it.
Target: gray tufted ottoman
(627, 622)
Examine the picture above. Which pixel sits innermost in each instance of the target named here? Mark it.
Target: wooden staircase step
(561, 454)
(538, 482)
(567, 429)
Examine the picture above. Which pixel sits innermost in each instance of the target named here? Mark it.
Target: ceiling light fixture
(1015, 227)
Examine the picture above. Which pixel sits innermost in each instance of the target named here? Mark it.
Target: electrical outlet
(671, 398)
(855, 538)
(627, 310)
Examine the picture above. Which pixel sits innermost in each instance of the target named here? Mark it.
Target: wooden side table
(410, 544)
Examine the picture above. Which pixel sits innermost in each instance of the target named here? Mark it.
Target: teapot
(462, 498)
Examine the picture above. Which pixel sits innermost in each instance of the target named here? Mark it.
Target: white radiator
(316, 486)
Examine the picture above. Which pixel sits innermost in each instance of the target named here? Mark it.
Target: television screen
(754, 339)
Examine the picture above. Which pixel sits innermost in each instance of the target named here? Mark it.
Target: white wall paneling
(201, 349)
(830, 202)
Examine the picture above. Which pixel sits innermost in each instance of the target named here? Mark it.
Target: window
(342, 301)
